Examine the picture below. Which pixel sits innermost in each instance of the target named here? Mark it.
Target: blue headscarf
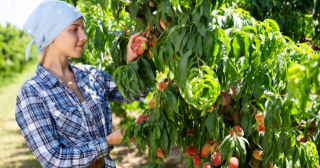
(47, 21)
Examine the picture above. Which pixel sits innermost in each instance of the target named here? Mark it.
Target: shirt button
(55, 160)
(79, 103)
(105, 154)
(67, 113)
(97, 136)
(66, 88)
(90, 119)
(60, 81)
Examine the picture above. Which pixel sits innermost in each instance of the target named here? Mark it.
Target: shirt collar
(51, 80)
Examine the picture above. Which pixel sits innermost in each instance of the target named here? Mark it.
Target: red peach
(236, 130)
(233, 92)
(261, 127)
(127, 33)
(196, 160)
(234, 162)
(160, 153)
(152, 102)
(226, 98)
(257, 154)
(143, 117)
(216, 159)
(139, 46)
(190, 132)
(205, 150)
(162, 85)
(300, 139)
(191, 151)
(153, 40)
(260, 117)
(162, 24)
(207, 165)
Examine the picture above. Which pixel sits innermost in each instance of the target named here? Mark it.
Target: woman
(63, 110)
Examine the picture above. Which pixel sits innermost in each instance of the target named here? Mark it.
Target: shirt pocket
(69, 122)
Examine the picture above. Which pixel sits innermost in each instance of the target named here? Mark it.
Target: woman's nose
(83, 36)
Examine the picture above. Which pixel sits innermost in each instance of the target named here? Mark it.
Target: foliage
(13, 43)
(247, 50)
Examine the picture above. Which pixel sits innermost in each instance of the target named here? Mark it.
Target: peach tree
(238, 92)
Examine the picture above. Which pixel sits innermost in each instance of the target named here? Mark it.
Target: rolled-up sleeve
(37, 127)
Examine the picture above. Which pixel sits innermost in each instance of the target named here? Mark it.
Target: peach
(234, 162)
(174, 57)
(216, 159)
(153, 40)
(166, 80)
(190, 132)
(300, 139)
(257, 154)
(214, 147)
(255, 163)
(152, 102)
(127, 33)
(139, 46)
(162, 85)
(205, 150)
(233, 92)
(160, 153)
(191, 151)
(236, 130)
(196, 160)
(211, 141)
(311, 133)
(143, 117)
(226, 98)
(162, 24)
(259, 117)
(261, 127)
(207, 165)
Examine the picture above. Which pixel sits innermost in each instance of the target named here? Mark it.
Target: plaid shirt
(54, 123)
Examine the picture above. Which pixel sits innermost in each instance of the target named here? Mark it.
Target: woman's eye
(75, 29)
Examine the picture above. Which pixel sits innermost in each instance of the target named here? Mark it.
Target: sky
(16, 12)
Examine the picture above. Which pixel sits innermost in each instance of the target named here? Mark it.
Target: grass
(14, 151)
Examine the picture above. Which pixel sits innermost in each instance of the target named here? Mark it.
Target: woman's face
(71, 40)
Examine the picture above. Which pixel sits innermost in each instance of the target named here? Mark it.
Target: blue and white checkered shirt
(54, 123)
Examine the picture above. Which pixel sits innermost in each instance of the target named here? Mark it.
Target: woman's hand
(116, 137)
(130, 54)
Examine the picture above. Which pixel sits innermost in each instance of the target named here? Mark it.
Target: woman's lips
(80, 47)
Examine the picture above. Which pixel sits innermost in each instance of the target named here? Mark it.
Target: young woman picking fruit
(63, 110)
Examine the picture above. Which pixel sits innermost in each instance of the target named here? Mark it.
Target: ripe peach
(162, 24)
(190, 132)
(166, 80)
(127, 33)
(311, 133)
(162, 85)
(139, 46)
(196, 160)
(271, 165)
(234, 162)
(260, 117)
(152, 102)
(207, 165)
(153, 40)
(211, 141)
(236, 130)
(174, 57)
(233, 92)
(143, 117)
(214, 147)
(191, 151)
(261, 127)
(216, 159)
(257, 154)
(160, 153)
(300, 139)
(205, 150)
(226, 98)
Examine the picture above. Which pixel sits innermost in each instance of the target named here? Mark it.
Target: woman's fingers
(131, 39)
